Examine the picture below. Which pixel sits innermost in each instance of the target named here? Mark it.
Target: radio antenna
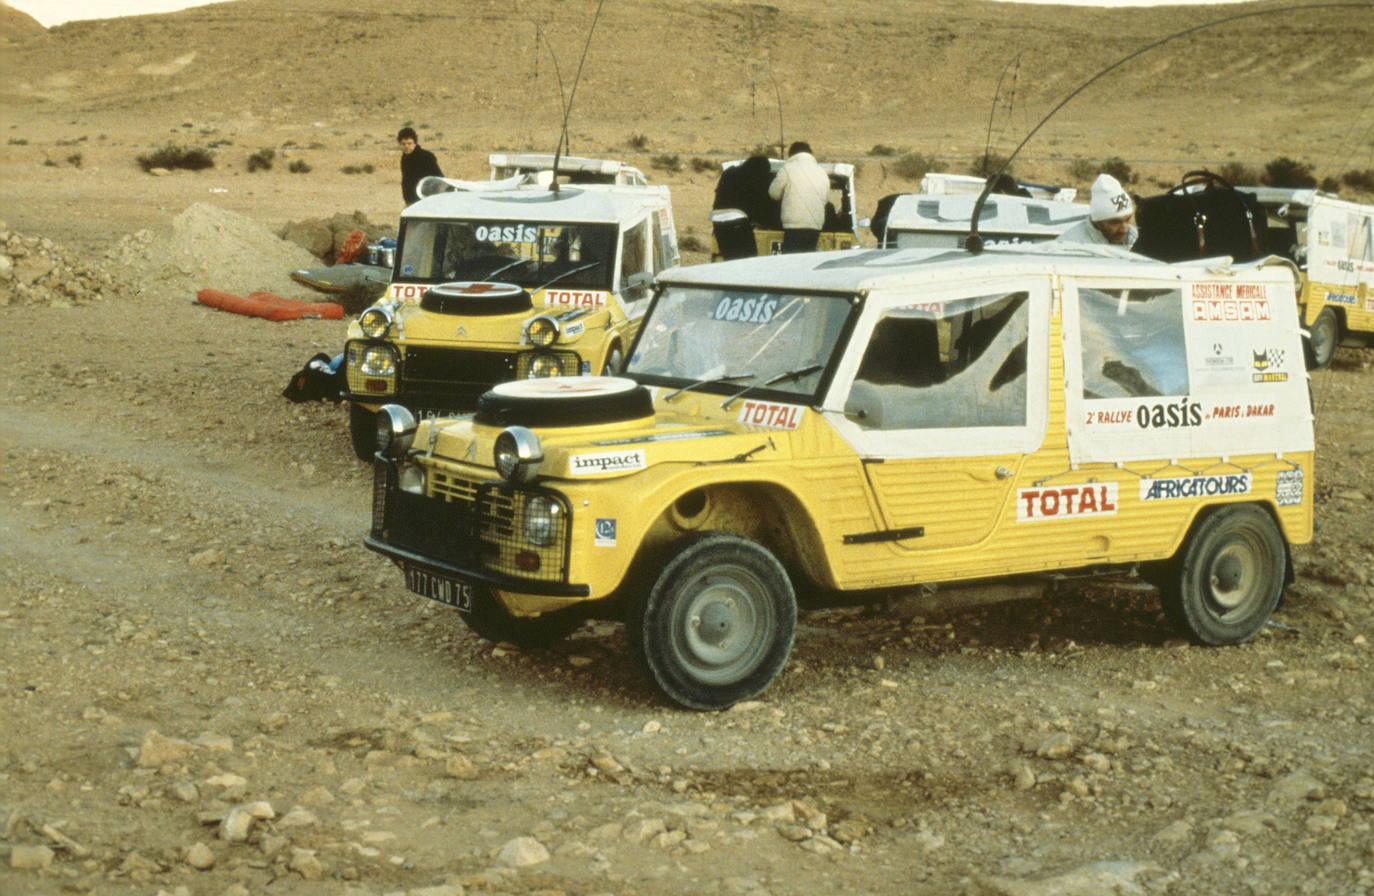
(777, 96)
(567, 109)
(974, 242)
(992, 112)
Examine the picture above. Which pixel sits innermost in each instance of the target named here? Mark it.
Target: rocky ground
(208, 686)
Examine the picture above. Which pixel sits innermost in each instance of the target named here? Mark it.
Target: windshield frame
(727, 387)
(531, 277)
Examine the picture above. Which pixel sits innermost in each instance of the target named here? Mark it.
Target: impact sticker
(774, 416)
(1065, 502)
(1288, 488)
(576, 329)
(605, 462)
(1194, 487)
(605, 533)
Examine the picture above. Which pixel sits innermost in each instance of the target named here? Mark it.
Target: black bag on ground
(321, 379)
(1202, 217)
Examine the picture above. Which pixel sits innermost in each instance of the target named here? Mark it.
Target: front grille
(470, 524)
(425, 367)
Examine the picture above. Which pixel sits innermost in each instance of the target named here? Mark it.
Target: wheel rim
(1234, 583)
(720, 631)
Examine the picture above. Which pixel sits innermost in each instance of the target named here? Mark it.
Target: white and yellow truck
(853, 422)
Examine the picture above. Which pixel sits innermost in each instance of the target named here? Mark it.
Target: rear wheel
(1323, 336)
(362, 431)
(717, 625)
(492, 621)
(1229, 578)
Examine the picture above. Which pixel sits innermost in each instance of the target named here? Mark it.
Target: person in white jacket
(803, 188)
(1109, 217)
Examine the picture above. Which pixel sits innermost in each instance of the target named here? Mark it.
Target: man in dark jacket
(417, 163)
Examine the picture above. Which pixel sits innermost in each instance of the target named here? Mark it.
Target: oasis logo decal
(605, 533)
(745, 311)
(1231, 302)
(1288, 487)
(574, 299)
(510, 233)
(1184, 412)
(1066, 501)
(774, 416)
(1194, 487)
(1272, 357)
(605, 462)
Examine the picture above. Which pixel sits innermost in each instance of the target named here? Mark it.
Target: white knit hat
(1109, 199)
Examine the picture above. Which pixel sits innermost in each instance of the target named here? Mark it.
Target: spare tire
(477, 298)
(564, 401)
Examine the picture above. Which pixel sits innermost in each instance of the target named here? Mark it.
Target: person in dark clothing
(417, 163)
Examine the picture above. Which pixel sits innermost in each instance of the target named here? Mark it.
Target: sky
(55, 12)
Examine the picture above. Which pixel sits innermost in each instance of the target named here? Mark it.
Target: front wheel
(490, 620)
(362, 431)
(1322, 338)
(615, 361)
(717, 625)
(1230, 576)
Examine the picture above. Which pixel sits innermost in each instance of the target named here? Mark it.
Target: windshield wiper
(507, 267)
(780, 378)
(568, 273)
(728, 378)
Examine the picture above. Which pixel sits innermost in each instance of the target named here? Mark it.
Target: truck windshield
(714, 337)
(529, 254)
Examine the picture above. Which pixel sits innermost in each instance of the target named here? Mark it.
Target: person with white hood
(803, 186)
(1109, 217)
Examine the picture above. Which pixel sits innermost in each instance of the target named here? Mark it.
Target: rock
(1295, 789)
(522, 852)
(31, 858)
(1058, 745)
(644, 830)
(305, 863)
(1097, 879)
(156, 751)
(460, 767)
(200, 857)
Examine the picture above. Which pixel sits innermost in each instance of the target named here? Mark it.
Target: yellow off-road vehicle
(1332, 240)
(850, 423)
(503, 280)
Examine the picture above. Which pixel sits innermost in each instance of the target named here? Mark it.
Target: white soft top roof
(852, 271)
(1000, 214)
(504, 201)
(940, 184)
(504, 165)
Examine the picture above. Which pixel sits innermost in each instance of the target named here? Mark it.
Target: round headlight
(395, 430)
(544, 365)
(543, 516)
(517, 454)
(378, 360)
(543, 331)
(374, 322)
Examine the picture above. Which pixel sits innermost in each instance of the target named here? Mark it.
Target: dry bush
(637, 142)
(173, 157)
(1362, 180)
(881, 149)
(701, 166)
(1239, 175)
(988, 164)
(1120, 169)
(667, 162)
(1286, 172)
(299, 166)
(358, 169)
(262, 160)
(913, 166)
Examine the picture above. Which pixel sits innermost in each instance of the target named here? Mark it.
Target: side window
(944, 365)
(1360, 245)
(1132, 343)
(636, 275)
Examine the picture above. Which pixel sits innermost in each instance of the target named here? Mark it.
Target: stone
(31, 858)
(522, 852)
(1058, 745)
(156, 751)
(460, 767)
(305, 863)
(200, 857)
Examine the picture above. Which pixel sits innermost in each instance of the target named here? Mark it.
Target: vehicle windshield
(723, 340)
(530, 254)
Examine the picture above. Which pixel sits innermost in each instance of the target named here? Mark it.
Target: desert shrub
(299, 166)
(882, 149)
(765, 149)
(1083, 170)
(913, 166)
(639, 142)
(667, 162)
(49, 163)
(262, 160)
(1118, 168)
(1286, 172)
(1359, 180)
(357, 169)
(173, 157)
(74, 160)
(18, 141)
(690, 242)
(701, 166)
(1330, 185)
(989, 163)
(1239, 174)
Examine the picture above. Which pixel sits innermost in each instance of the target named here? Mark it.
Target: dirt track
(209, 686)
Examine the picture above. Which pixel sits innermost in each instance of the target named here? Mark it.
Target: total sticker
(1066, 501)
(774, 416)
(605, 533)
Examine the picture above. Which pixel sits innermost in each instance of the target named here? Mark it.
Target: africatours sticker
(774, 416)
(606, 462)
(571, 298)
(1194, 487)
(1066, 501)
(1230, 302)
(1288, 487)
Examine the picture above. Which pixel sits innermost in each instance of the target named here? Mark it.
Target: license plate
(433, 413)
(440, 588)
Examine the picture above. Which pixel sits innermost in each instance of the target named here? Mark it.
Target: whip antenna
(567, 109)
